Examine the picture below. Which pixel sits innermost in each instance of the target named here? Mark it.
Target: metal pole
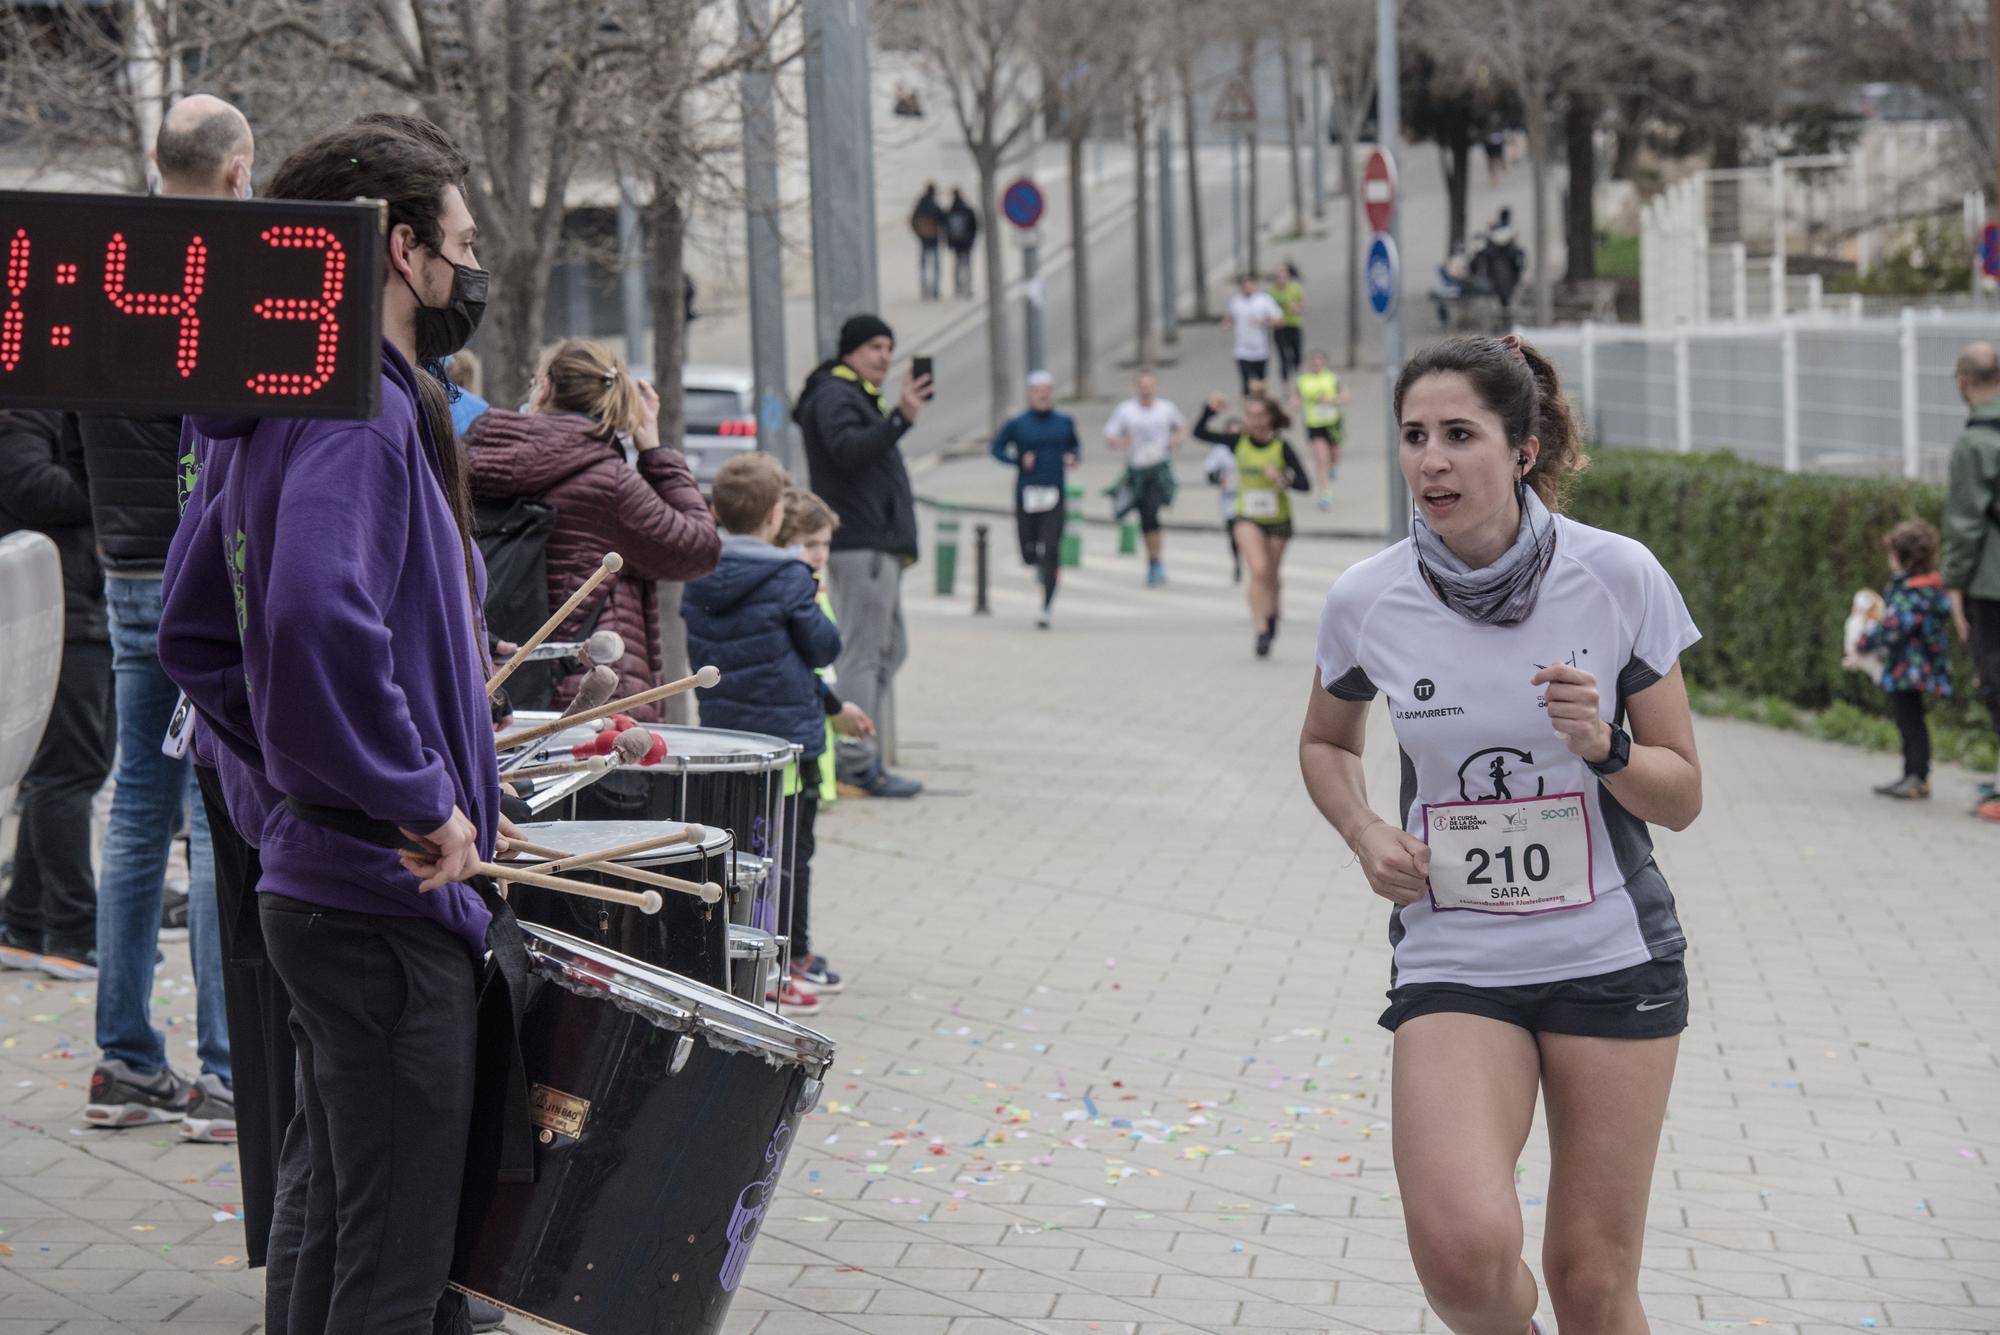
(1778, 302)
(765, 250)
(840, 152)
(1316, 72)
(1389, 115)
(1993, 37)
(1235, 205)
(1170, 319)
(1031, 299)
(980, 606)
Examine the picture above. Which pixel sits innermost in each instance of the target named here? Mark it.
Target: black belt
(502, 1075)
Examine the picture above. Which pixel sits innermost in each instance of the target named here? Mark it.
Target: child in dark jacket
(757, 617)
(1916, 655)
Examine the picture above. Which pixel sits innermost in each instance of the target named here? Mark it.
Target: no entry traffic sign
(1378, 189)
(1022, 203)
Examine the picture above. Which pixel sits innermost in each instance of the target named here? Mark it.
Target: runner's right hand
(1218, 403)
(1396, 864)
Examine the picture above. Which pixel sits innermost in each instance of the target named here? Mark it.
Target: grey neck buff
(1504, 593)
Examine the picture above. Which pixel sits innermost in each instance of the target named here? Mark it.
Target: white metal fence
(1866, 396)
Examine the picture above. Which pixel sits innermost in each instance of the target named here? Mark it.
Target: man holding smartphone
(853, 435)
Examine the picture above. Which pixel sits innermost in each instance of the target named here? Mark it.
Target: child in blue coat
(757, 617)
(1916, 655)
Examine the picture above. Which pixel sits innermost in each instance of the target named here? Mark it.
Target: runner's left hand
(1573, 705)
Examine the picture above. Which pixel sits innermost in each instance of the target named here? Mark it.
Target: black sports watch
(1620, 757)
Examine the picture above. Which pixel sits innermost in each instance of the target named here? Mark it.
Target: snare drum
(753, 963)
(687, 936)
(713, 776)
(663, 1112)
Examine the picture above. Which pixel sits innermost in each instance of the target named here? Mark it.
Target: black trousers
(1291, 340)
(384, 1013)
(805, 813)
(1249, 371)
(1907, 708)
(1984, 616)
(260, 1033)
(52, 904)
(1041, 546)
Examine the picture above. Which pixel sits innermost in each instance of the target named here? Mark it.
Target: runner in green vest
(1291, 331)
(1266, 467)
(1318, 397)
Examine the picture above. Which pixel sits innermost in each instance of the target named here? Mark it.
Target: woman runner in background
(1262, 522)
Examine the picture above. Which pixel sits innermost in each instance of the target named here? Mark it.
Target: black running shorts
(1648, 1000)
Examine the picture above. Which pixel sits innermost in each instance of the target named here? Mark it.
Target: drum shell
(641, 1222)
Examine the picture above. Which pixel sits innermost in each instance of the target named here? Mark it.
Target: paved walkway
(1108, 1059)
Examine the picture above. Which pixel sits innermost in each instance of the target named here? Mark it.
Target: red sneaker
(791, 996)
(1990, 809)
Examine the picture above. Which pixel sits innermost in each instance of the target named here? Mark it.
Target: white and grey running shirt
(1473, 729)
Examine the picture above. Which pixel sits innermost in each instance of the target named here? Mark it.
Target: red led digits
(17, 283)
(182, 303)
(323, 309)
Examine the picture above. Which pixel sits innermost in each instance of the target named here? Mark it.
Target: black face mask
(443, 330)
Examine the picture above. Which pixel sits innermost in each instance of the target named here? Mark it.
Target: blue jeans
(146, 812)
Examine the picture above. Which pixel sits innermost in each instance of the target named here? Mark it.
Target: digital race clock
(124, 303)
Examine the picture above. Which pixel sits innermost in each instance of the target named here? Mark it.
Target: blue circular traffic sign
(1022, 203)
(1384, 275)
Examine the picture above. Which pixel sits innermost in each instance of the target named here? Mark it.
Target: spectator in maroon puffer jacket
(584, 407)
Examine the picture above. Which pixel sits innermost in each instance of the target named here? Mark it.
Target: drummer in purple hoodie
(321, 613)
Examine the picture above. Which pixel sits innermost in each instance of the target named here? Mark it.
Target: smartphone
(919, 368)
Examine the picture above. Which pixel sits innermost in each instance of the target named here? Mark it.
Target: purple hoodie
(316, 612)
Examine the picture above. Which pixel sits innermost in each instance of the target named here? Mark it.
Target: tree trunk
(1251, 211)
(1728, 150)
(511, 334)
(1079, 274)
(666, 235)
(1538, 171)
(1000, 379)
(1353, 197)
(1457, 158)
(1142, 240)
(1292, 135)
(1580, 214)
(1197, 248)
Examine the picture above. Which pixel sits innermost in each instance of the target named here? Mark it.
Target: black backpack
(513, 536)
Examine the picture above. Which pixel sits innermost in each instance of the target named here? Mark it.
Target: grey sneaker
(121, 1097)
(1909, 788)
(211, 1111)
(17, 952)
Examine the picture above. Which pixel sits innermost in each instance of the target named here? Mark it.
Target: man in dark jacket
(48, 921)
(1971, 565)
(852, 437)
(961, 229)
(204, 150)
(927, 221)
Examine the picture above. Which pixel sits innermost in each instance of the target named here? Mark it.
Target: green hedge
(1768, 562)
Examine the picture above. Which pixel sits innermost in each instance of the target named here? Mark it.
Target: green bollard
(946, 562)
(1072, 539)
(1128, 537)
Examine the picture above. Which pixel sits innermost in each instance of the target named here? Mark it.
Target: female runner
(1535, 942)
(1262, 522)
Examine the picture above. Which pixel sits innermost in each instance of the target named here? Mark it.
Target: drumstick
(707, 892)
(649, 902)
(554, 768)
(687, 834)
(705, 678)
(610, 565)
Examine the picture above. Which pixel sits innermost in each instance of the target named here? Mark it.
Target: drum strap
(502, 1081)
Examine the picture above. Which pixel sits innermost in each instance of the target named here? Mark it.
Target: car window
(713, 405)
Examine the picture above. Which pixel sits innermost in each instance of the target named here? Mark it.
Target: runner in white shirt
(1148, 428)
(1253, 314)
(1535, 941)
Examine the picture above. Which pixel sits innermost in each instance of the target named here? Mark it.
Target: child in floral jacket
(1916, 653)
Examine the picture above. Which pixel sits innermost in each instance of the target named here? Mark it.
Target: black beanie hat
(860, 328)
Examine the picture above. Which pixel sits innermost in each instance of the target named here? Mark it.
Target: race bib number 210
(1510, 857)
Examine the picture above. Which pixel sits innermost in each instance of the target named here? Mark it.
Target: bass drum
(663, 1112)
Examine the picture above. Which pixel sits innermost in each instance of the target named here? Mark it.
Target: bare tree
(1189, 26)
(1085, 52)
(1287, 60)
(1343, 37)
(981, 52)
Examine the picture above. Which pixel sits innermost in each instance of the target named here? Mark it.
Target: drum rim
(716, 842)
(700, 1007)
(767, 755)
(766, 943)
